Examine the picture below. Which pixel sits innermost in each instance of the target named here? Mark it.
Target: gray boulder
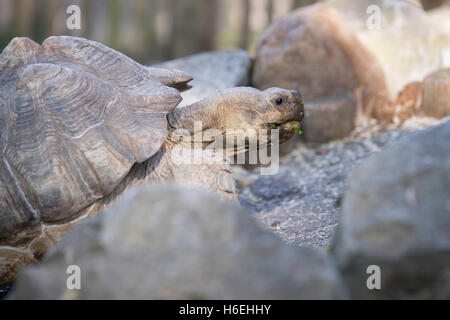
(330, 118)
(167, 243)
(396, 215)
(212, 71)
(436, 94)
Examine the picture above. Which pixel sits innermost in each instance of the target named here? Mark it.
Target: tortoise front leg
(194, 167)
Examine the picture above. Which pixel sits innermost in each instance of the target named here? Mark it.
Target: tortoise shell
(75, 116)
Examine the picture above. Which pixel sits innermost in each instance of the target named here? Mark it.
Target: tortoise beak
(297, 109)
(299, 112)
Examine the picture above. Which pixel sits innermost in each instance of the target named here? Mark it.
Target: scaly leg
(199, 168)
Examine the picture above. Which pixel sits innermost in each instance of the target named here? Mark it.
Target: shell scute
(75, 116)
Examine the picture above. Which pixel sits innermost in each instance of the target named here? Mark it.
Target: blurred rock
(440, 16)
(329, 119)
(433, 4)
(406, 105)
(396, 215)
(436, 94)
(408, 43)
(167, 243)
(375, 47)
(212, 71)
(315, 50)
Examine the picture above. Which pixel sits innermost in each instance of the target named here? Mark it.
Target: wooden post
(86, 8)
(23, 11)
(301, 3)
(245, 27)
(193, 26)
(114, 21)
(269, 9)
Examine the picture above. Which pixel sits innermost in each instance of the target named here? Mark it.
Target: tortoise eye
(279, 101)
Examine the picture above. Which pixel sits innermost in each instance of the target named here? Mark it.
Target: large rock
(337, 47)
(166, 243)
(396, 215)
(440, 16)
(408, 43)
(316, 51)
(330, 118)
(212, 71)
(436, 94)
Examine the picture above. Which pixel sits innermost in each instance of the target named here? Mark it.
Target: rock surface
(315, 51)
(369, 48)
(440, 16)
(408, 43)
(433, 4)
(396, 215)
(301, 203)
(330, 119)
(407, 104)
(212, 71)
(436, 94)
(167, 243)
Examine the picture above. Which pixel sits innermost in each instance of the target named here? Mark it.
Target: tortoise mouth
(287, 129)
(287, 126)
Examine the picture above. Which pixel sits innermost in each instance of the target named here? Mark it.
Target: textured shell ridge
(75, 116)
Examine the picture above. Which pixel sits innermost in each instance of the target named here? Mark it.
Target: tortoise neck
(201, 120)
(205, 112)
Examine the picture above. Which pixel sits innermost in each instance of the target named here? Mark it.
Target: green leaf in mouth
(274, 126)
(298, 130)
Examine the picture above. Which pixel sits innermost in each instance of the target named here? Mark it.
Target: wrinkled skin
(244, 111)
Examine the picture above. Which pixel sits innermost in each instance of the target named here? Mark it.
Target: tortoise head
(284, 111)
(243, 111)
(251, 110)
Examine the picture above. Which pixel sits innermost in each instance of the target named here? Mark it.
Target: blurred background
(151, 30)
(148, 30)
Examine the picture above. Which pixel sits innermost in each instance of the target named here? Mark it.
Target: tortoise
(81, 122)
